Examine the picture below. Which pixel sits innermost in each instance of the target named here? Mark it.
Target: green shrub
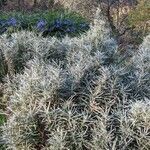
(53, 22)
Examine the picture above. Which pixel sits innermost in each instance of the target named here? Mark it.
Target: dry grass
(87, 8)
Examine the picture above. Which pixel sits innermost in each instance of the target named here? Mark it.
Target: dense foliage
(75, 93)
(2, 3)
(50, 23)
(67, 84)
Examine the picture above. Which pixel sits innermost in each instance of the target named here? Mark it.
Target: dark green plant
(2, 3)
(50, 22)
(2, 120)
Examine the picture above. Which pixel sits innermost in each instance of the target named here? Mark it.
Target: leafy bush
(49, 23)
(76, 93)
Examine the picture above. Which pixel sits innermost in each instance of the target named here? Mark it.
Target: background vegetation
(58, 23)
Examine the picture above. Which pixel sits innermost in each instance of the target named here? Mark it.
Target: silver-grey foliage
(74, 94)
